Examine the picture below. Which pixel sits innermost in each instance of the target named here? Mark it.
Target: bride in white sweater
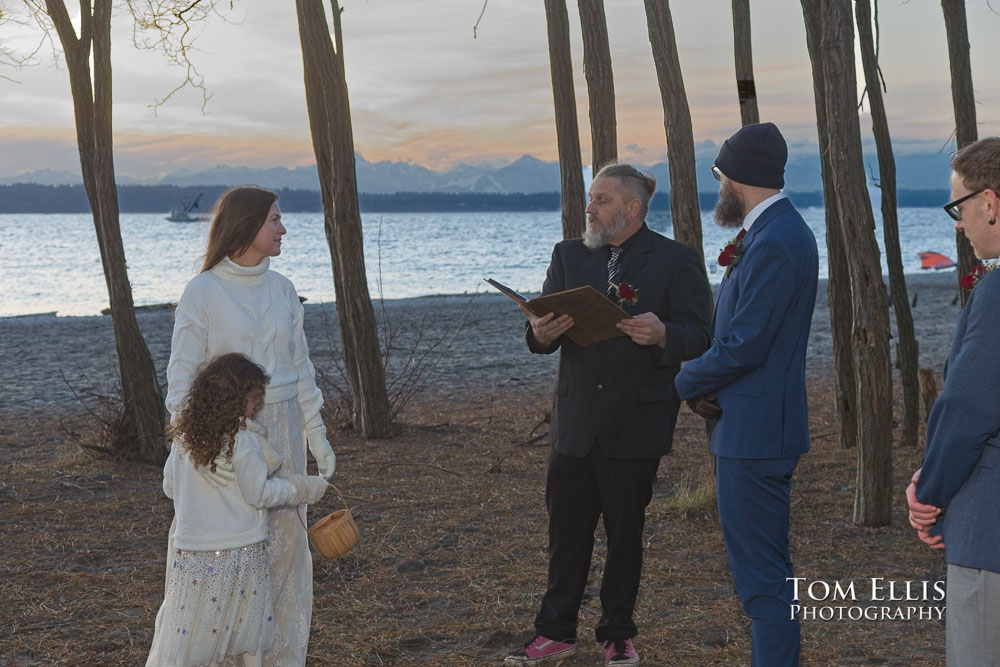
(237, 305)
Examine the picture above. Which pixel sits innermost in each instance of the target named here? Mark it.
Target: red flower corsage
(972, 278)
(627, 294)
(732, 253)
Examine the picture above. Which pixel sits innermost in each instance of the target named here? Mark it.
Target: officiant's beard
(596, 235)
(729, 209)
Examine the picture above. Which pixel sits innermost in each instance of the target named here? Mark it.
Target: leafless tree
(743, 50)
(870, 309)
(964, 102)
(600, 83)
(838, 286)
(567, 129)
(139, 430)
(907, 345)
(684, 210)
(333, 143)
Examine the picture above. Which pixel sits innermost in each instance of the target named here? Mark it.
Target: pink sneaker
(540, 650)
(620, 652)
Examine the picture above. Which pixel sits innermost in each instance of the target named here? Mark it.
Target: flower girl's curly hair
(216, 405)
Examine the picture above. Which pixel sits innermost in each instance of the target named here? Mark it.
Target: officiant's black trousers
(578, 492)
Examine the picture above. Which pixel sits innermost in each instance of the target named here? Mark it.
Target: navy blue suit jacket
(961, 470)
(757, 359)
(617, 394)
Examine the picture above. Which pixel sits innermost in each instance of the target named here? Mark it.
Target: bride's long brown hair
(239, 215)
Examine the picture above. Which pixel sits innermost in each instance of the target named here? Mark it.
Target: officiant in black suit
(615, 405)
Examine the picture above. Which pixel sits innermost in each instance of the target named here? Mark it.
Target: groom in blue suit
(752, 379)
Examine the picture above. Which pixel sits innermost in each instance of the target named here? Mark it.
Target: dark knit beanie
(756, 155)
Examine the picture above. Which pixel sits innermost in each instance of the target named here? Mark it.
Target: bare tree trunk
(600, 83)
(928, 391)
(140, 434)
(743, 49)
(964, 102)
(684, 210)
(333, 143)
(870, 333)
(838, 286)
(907, 347)
(567, 131)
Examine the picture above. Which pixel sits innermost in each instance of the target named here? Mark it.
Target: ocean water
(51, 262)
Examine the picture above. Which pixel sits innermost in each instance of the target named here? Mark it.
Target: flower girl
(218, 596)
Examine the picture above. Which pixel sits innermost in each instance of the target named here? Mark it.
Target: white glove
(320, 448)
(223, 475)
(306, 489)
(316, 486)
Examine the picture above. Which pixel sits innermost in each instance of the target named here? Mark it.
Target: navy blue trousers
(754, 507)
(578, 491)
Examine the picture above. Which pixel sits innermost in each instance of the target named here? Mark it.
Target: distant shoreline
(31, 198)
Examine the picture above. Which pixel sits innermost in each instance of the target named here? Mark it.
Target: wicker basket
(335, 534)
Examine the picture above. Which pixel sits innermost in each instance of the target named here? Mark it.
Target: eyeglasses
(952, 208)
(717, 173)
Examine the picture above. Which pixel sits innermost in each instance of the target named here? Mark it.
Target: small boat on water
(185, 212)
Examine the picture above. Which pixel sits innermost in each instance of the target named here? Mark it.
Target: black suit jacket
(617, 394)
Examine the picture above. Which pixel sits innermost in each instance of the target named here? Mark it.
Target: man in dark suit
(955, 496)
(752, 379)
(614, 408)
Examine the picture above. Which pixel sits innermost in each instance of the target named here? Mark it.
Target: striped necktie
(614, 268)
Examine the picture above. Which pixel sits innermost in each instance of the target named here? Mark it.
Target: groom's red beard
(729, 209)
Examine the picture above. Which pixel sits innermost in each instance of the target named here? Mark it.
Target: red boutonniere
(972, 278)
(731, 254)
(627, 294)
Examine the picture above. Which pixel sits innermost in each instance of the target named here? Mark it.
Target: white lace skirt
(287, 548)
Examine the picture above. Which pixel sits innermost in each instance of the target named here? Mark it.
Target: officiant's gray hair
(638, 184)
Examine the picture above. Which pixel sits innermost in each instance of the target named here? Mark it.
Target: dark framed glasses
(952, 208)
(717, 173)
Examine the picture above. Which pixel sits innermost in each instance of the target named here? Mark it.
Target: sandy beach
(485, 329)
(451, 563)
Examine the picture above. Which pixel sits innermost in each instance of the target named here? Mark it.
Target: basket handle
(334, 487)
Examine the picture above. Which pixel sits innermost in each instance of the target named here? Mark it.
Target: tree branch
(338, 36)
(86, 23)
(878, 67)
(56, 10)
(169, 26)
(475, 27)
(34, 15)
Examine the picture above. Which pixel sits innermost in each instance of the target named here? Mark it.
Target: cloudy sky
(424, 90)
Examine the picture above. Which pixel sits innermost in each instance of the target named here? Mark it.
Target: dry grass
(452, 556)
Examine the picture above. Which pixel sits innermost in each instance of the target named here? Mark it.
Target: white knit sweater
(234, 515)
(233, 308)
